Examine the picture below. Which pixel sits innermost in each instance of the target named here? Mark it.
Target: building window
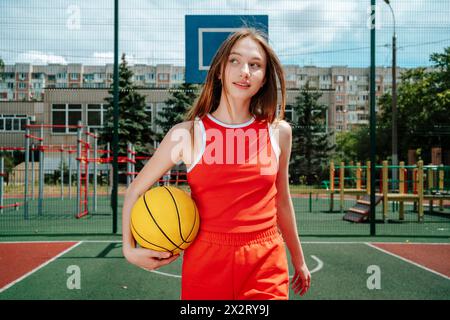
(289, 113)
(159, 109)
(149, 110)
(12, 123)
(74, 76)
(163, 76)
(64, 115)
(95, 115)
(88, 77)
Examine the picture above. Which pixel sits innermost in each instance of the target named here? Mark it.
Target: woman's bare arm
(170, 151)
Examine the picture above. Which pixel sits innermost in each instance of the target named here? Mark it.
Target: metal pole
(128, 163)
(133, 164)
(394, 108)
(70, 174)
(114, 196)
(62, 171)
(33, 178)
(27, 153)
(78, 167)
(87, 166)
(2, 171)
(41, 172)
(95, 171)
(110, 182)
(372, 120)
(394, 103)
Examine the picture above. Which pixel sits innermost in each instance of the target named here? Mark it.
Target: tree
(134, 121)
(423, 109)
(310, 145)
(181, 100)
(2, 67)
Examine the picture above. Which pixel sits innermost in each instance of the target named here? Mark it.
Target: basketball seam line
(153, 244)
(156, 223)
(179, 220)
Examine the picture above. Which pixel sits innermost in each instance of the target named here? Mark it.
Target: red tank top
(232, 180)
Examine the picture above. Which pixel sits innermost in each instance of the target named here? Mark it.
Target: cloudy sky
(302, 32)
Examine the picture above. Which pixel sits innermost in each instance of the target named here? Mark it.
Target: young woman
(237, 159)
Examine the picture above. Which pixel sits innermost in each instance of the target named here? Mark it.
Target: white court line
(409, 261)
(9, 285)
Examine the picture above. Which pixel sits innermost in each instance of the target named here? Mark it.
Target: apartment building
(346, 90)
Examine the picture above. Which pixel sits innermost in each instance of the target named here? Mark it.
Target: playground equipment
(82, 149)
(174, 177)
(411, 188)
(87, 157)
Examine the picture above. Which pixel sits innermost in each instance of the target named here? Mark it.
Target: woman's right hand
(148, 259)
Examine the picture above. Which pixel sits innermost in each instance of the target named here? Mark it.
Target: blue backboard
(205, 33)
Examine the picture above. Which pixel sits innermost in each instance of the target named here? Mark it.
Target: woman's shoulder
(183, 125)
(282, 125)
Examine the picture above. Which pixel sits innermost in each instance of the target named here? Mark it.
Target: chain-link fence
(57, 70)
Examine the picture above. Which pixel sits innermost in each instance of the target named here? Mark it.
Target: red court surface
(18, 259)
(432, 256)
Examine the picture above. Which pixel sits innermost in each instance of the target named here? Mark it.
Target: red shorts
(239, 266)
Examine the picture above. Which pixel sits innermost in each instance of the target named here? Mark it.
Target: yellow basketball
(165, 219)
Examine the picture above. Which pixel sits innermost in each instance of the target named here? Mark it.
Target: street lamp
(394, 100)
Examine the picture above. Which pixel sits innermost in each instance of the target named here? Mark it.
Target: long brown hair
(263, 105)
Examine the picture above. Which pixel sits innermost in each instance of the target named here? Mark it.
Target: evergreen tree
(135, 124)
(180, 101)
(2, 68)
(310, 144)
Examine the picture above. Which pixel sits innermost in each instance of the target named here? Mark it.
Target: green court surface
(340, 270)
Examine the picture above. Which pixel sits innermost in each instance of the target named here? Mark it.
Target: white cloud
(40, 58)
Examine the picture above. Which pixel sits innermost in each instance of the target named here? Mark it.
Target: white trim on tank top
(239, 125)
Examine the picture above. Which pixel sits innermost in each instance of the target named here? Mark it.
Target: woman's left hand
(301, 281)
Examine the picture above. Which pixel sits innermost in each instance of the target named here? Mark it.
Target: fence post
(430, 186)
(41, 172)
(128, 164)
(402, 189)
(78, 166)
(420, 189)
(27, 154)
(2, 172)
(341, 185)
(385, 189)
(441, 185)
(95, 169)
(62, 171)
(331, 186)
